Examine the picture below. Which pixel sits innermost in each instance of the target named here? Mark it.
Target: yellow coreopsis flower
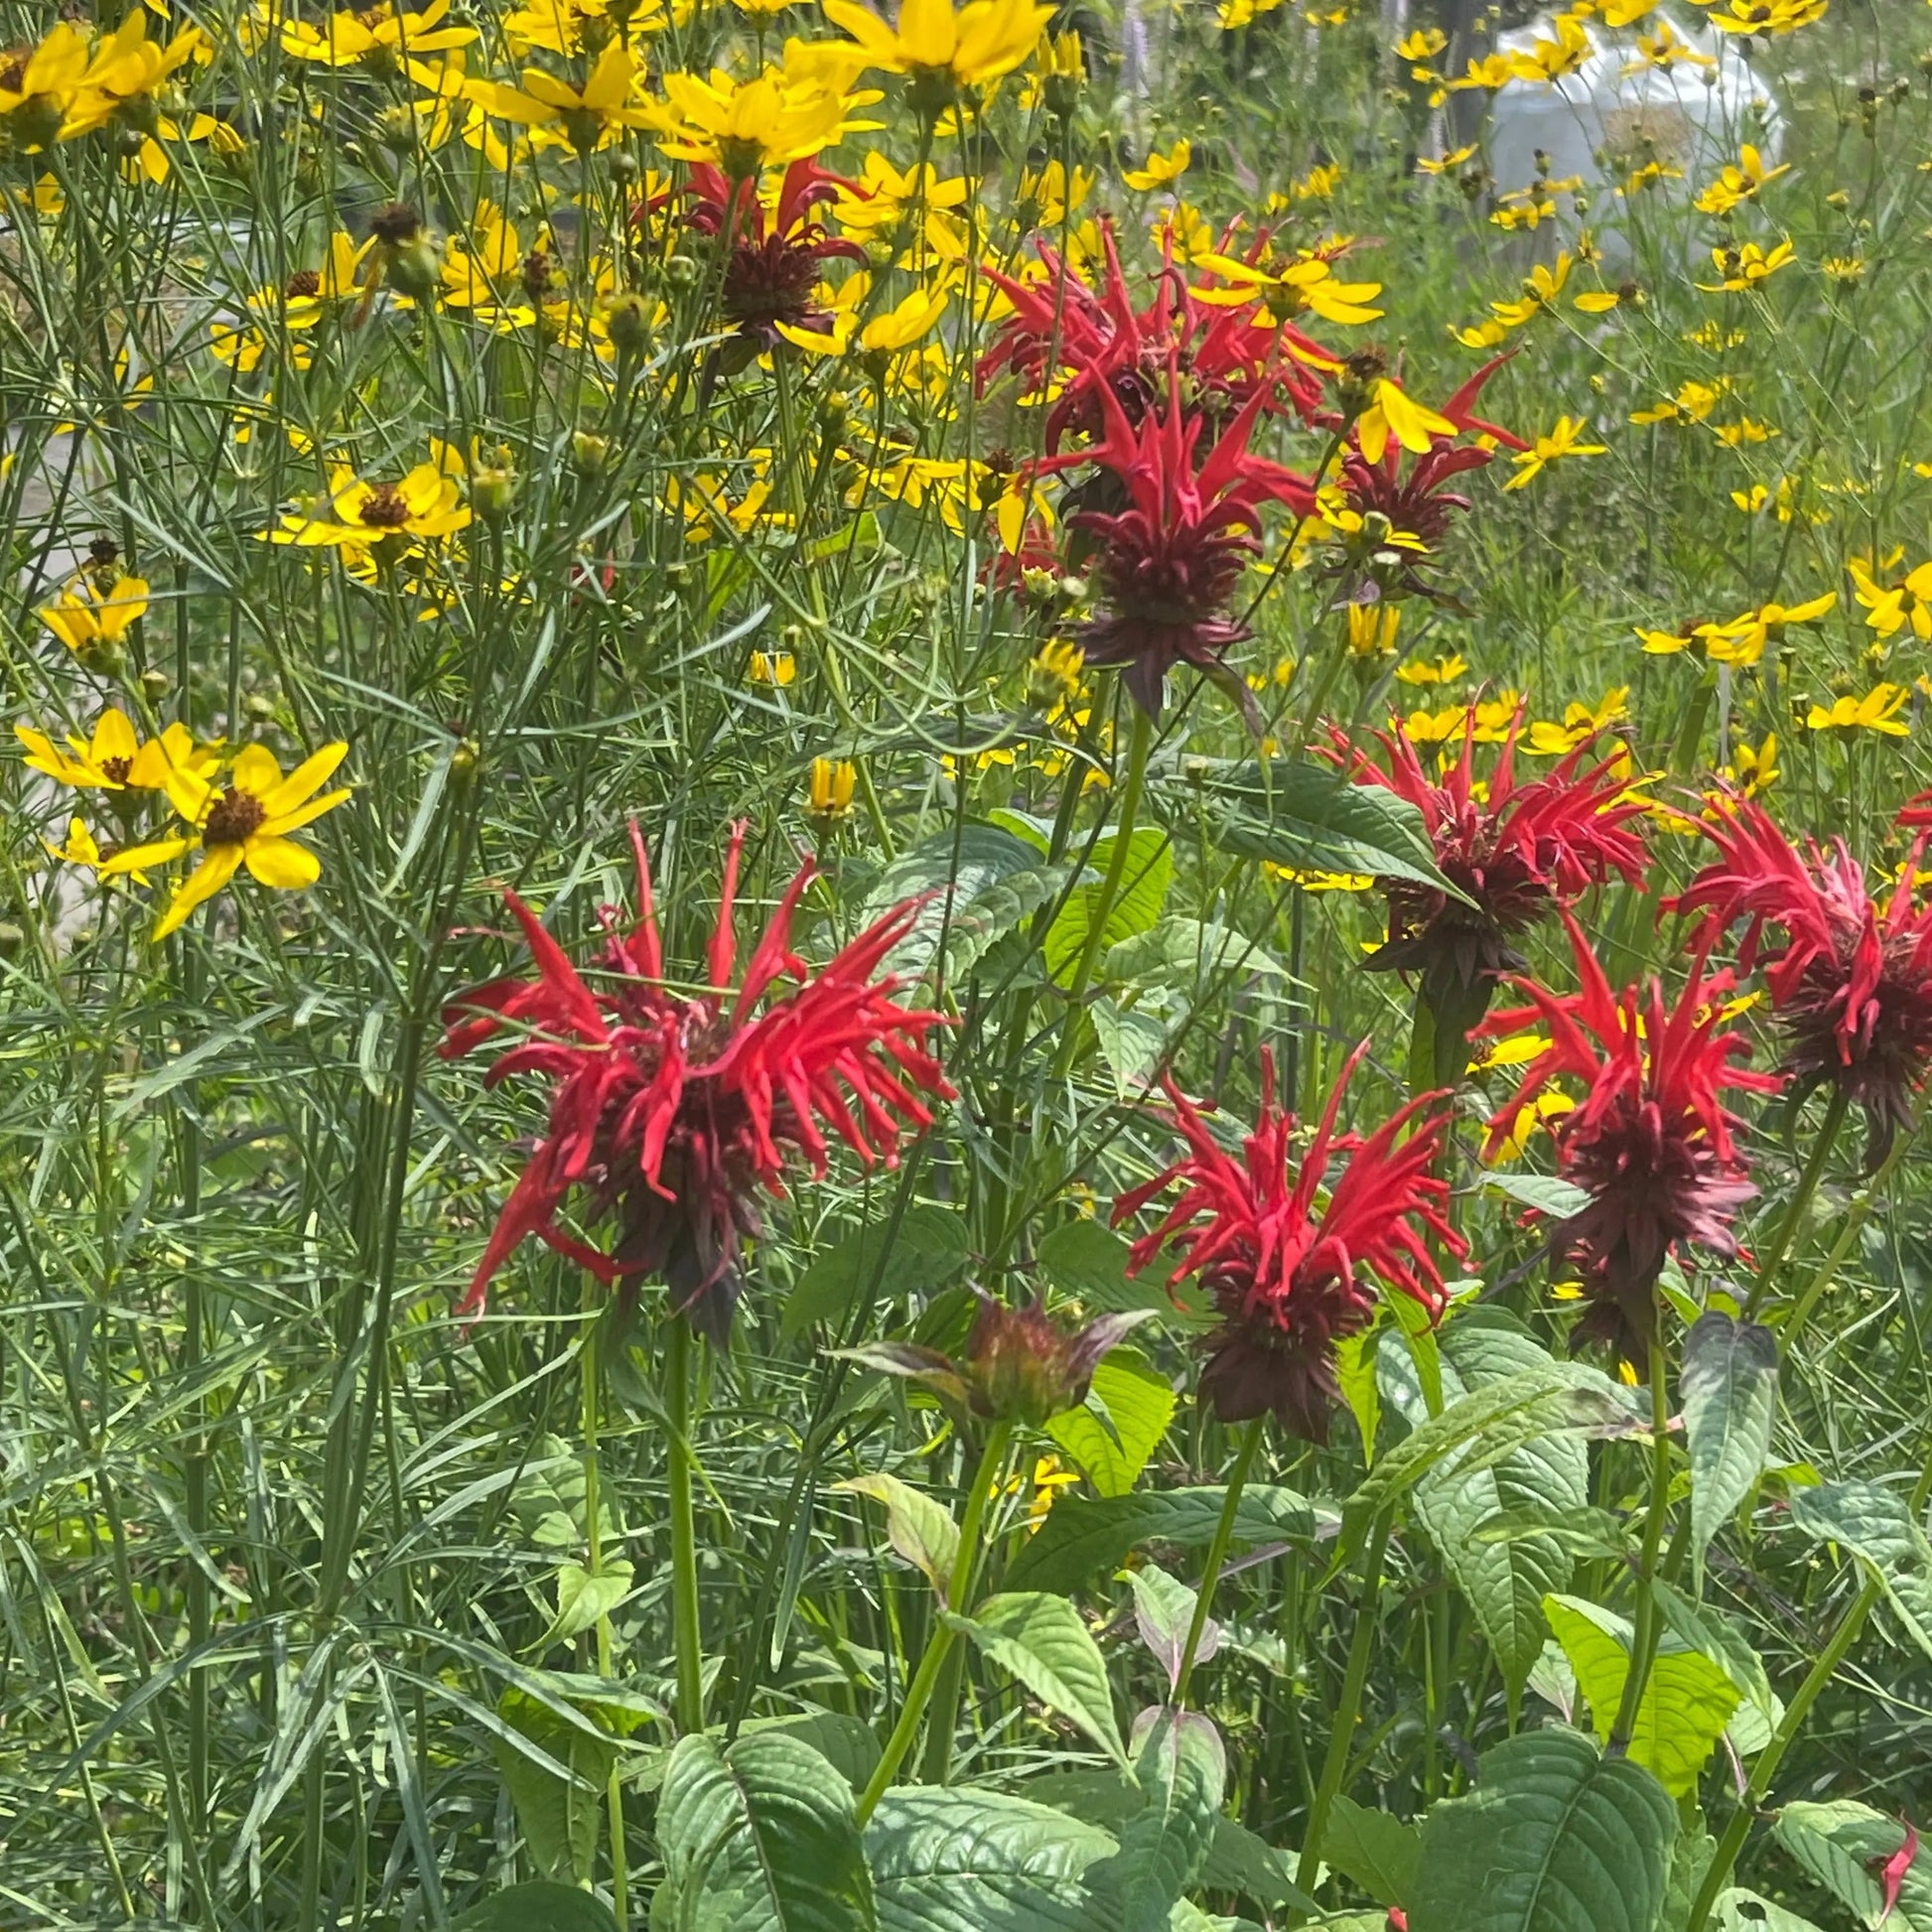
(1548, 1106)
(1894, 605)
(482, 274)
(1372, 628)
(1440, 670)
(38, 86)
(898, 328)
(113, 757)
(1442, 164)
(426, 504)
(1565, 440)
(1746, 269)
(1159, 169)
(1302, 285)
(1749, 634)
(1876, 710)
(1580, 722)
(1766, 16)
(591, 116)
(1395, 413)
(941, 50)
(1692, 402)
(777, 669)
(88, 618)
(1666, 49)
(373, 35)
(743, 126)
(881, 200)
(1738, 183)
(832, 783)
(244, 821)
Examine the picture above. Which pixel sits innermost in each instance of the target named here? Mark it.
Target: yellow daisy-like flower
(1738, 183)
(113, 757)
(1159, 169)
(1548, 1106)
(1893, 606)
(87, 618)
(1305, 284)
(373, 35)
(1876, 710)
(777, 669)
(1440, 670)
(832, 783)
(591, 116)
(426, 504)
(1749, 634)
(941, 50)
(245, 821)
(1565, 440)
(1746, 269)
(1766, 16)
(1580, 722)
(743, 126)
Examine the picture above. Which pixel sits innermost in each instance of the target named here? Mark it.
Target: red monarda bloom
(1515, 850)
(1288, 1277)
(1167, 561)
(1853, 980)
(1650, 1142)
(772, 272)
(671, 1109)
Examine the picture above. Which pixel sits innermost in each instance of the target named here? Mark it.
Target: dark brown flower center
(397, 225)
(14, 72)
(385, 508)
(305, 281)
(236, 816)
(115, 769)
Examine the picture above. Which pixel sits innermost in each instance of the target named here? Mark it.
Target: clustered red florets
(1853, 980)
(1651, 1141)
(1514, 850)
(673, 1109)
(1289, 1280)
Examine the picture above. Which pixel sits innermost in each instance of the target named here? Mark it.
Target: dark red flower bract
(672, 1109)
(1287, 1277)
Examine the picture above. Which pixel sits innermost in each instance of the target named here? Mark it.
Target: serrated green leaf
(762, 1836)
(1043, 1641)
(559, 1816)
(582, 1598)
(1088, 1258)
(1738, 1910)
(1143, 884)
(1730, 1385)
(1874, 1523)
(927, 1249)
(1378, 1852)
(1163, 1613)
(1555, 1838)
(1844, 1845)
(916, 1526)
(1181, 1767)
(542, 1905)
(953, 1859)
(982, 880)
(1687, 1699)
(1085, 1535)
(1119, 1427)
(1545, 1192)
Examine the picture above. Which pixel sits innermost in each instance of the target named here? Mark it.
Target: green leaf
(1306, 816)
(1182, 1767)
(1089, 1260)
(916, 1526)
(1545, 1192)
(1705, 1627)
(762, 1836)
(982, 880)
(1379, 1852)
(1144, 885)
(558, 1810)
(582, 1598)
(1545, 1478)
(1121, 1424)
(1043, 1641)
(927, 1249)
(1844, 1845)
(1185, 954)
(539, 1906)
(1084, 1535)
(1555, 1838)
(953, 1859)
(1132, 1041)
(1874, 1523)
(1730, 1384)
(1687, 1699)
(1164, 1612)
(1240, 1861)
(1355, 1373)
(1738, 1910)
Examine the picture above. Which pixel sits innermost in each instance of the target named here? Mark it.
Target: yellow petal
(282, 864)
(257, 774)
(217, 867)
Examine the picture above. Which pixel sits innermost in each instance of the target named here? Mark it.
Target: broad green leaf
(1043, 1641)
(1844, 1845)
(1356, 1372)
(1690, 1860)
(1730, 1385)
(1874, 1523)
(762, 1836)
(1687, 1699)
(1085, 1535)
(1738, 1910)
(582, 1598)
(980, 882)
(1296, 812)
(1089, 1260)
(542, 1905)
(847, 1742)
(916, 1526)
(1545, 1479)
(1239, 1862)
(1559, 1200)
(1121, 1424)
(1555, 1838)
(559, 1816)
(1182, 1767)
(927, 1249)
(1164, 1612)
(954, 1860)
(1705, 1627)
(1379, 1852)
(1143, 884)
(1185, 953)
(1132, 1039)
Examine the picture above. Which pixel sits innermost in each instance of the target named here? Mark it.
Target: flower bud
(590, 452)
(626, 320)
(681, 271)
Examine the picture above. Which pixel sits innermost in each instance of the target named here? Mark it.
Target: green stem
(919, 1692)
(1130, 808)
(1643, 1641)
(686, 1634)
(1848, 1232)
(1821, 1152)
(1217, 1555)
(1334, 1766)
(594, 1538)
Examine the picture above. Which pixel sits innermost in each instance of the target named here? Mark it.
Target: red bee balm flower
(1288, 1279)
(672, 1109)
(1852, 981)
(1168, 560)
(1516, 849)
(1651, 1141)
